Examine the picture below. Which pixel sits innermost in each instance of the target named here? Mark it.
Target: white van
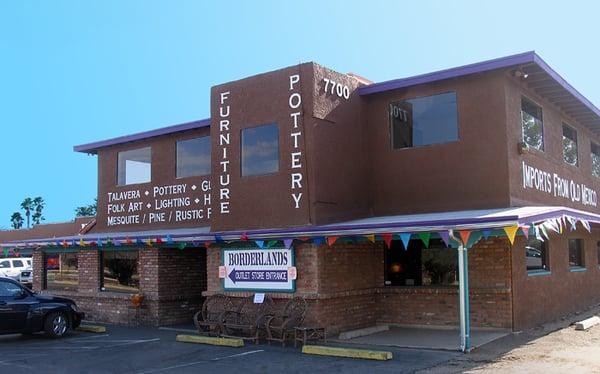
(12, 267)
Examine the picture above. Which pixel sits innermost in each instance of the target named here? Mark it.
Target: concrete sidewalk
(426, 337)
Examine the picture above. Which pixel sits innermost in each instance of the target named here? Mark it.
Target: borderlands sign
(253, 269)
(557, 186)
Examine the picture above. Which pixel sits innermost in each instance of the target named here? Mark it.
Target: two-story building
(354, 195)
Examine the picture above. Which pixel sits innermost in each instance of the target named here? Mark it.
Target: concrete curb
(587, 323)
(92, 328)
(347, 352)
(226, 342)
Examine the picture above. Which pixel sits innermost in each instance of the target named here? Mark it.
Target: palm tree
(38, 205)
(27, 206)
(16, 220)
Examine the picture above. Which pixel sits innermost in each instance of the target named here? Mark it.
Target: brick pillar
(148, 269)
(213, 261)
(88, 262)
(38, 270)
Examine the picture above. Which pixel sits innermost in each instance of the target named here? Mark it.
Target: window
(569, 145)
(5, 264)
(420, 266)
(576, 253)
(120, 271)
(595, 160)
(260, 150)
(9, 290)
(62, 271)
(424, 121)
(135, 166)
(193, 157)
(533, 127)
(18, 264)
(536, 255)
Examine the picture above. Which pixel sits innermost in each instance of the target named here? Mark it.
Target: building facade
(353, 195)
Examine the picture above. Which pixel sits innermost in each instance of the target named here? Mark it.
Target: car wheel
(56, 325)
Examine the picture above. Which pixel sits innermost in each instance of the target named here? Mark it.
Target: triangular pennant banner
(81, 243)
(370, 237)
(511, 232)
(486, 233)
(425, 236)
(445, 236)
(405, 237)
(387, 238)
(464, 236)
(181, 245)
(288, 242)
(244, 237)
(169, 239)
(331, 240)
(260, 243)
(272, 243)
(572, 222)
(318, 240)
(525, 230)
(586, 224)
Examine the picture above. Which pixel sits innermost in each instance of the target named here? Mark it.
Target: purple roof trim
(93, 147)
(479, 67)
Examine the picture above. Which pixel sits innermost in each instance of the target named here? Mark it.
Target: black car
(24, 311)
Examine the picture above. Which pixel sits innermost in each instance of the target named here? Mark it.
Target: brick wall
(543, 298)
(344, 285)
(171, 281)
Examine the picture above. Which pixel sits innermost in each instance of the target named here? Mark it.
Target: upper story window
(135, 166)
(570, 145)
(424, 121)
(260, 150)
(533, 126)
(595, 160)
(193, 157)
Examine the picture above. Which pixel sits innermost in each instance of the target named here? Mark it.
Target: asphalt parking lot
(150, 350)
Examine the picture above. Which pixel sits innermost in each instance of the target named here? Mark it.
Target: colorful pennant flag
(272, 243)
(181, 245)
(169, 239)
(525, 230)
(445, 236)
(405, 237)
(511, 232)
(318, 240)
(387, 238)
(288, 242)
(260, 243)
(425, 236)
(5, 252)
(486, 233)
(586, 225)
(370, 237)
(464, 236)
(116, 242)
(219, 239)
(81, 243)
(99, 242)
(244, 237)
(331, 240)
(159, 240)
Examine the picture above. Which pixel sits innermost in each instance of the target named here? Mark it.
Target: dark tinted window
(570, 145)
(17, 263)
(595, 160)
(8, 289)
(576, 253)
(260, 150)
(135, 166)
(533, 127)
(4, 264)
(424, 121)
(193, 157)
(420, 266)
(120, 271)
(536, 255)
(62, 271)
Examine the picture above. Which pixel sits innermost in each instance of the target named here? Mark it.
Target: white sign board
(254, 269)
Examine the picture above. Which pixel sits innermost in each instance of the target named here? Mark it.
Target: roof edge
(478, 67)
(93, 147)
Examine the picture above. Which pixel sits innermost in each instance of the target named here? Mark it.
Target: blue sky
(72, 72)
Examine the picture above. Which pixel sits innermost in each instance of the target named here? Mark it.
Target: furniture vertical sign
(255, 269)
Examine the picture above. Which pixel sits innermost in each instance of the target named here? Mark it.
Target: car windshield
(4, 264)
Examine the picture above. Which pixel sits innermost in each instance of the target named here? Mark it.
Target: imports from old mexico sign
(557, 186)
(254, 269)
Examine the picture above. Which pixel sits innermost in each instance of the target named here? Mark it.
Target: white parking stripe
(200, 362)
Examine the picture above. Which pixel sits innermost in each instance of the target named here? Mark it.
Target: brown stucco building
(373, 185)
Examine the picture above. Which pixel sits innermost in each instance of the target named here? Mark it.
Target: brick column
(148, 269)
(38, 270)
(88, 262)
